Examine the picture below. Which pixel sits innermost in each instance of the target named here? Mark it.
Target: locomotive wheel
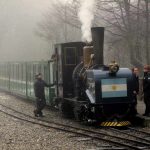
(81, 114)
(65, 109)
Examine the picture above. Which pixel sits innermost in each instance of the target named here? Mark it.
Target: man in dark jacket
(39, 86)
(135, 72)
(146, 89)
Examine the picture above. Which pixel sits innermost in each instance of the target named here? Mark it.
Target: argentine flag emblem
(114, 87)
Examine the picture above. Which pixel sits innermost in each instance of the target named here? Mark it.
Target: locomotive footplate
(115, 123)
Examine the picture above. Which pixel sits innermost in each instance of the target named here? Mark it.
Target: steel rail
(139, 131)
(125, 133)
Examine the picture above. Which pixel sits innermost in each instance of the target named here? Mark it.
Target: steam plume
(65, 2)
(86, 16)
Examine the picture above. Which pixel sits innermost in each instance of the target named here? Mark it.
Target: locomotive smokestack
(98, 42)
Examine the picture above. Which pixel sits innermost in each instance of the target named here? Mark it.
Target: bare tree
(125, 21)
(147, 30)
(61, 23)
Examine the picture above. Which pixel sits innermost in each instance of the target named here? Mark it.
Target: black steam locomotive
(90, 90)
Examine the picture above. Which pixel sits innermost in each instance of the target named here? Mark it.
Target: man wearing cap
(146, 89)
(39, 86)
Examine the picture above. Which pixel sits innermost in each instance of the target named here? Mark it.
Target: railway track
(139, 131)
(133, 132)
(116, 142)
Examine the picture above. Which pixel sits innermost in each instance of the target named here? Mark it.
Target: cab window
(70, 55)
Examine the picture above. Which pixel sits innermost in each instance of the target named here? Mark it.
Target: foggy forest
(29, 29)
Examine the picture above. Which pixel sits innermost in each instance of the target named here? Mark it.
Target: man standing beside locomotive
(39, 86)
(146, 89)
(135, 72)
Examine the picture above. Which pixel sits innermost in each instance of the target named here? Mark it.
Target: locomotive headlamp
(91, 88)
(113, 67)
(92, 56)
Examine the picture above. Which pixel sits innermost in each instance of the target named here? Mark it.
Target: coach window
(70, 55)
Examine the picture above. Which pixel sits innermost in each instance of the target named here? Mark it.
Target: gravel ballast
(19, 135)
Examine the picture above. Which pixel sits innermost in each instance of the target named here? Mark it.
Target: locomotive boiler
(90, 90)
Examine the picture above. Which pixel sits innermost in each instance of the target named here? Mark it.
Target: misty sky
(18, 22)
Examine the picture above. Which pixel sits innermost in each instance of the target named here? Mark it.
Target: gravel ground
(18, 135)
(27, 107)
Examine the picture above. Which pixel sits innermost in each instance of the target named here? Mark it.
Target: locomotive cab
(67, 56)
